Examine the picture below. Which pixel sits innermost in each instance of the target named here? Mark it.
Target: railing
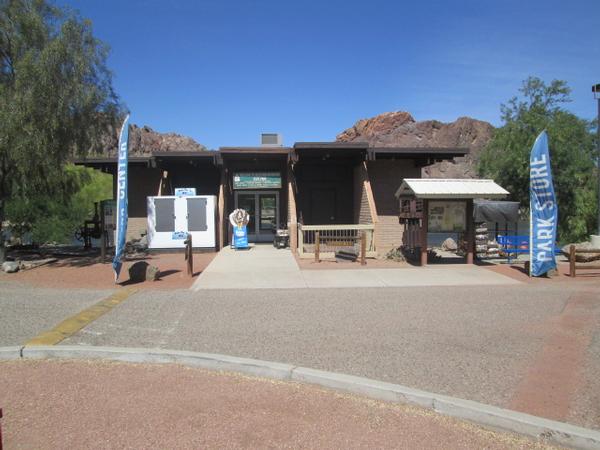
(333, 238)
(573, 259)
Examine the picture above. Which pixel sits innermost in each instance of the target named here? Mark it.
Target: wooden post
(424, 226)
(189, 256)
(363, 248)
(102, 234)
(572, 261)
(470, 232)
(317, 245)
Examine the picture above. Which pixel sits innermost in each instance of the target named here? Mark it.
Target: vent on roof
(271, 140)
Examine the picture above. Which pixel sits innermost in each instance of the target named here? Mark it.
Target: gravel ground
(26, 311)
(470, 342)
(110, 405)
(486, 344)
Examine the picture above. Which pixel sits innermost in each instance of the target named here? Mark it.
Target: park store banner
(544, 210)
(121, 227)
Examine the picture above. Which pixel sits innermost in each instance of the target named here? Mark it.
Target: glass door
(268, 213)
(248, 203)
(263, 208)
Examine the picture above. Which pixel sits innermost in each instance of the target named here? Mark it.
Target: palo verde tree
(56, 98)
(571, 142)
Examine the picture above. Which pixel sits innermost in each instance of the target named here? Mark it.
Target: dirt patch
(69, 404)
(88, 272)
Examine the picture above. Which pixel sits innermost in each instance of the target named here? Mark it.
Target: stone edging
(552, 431)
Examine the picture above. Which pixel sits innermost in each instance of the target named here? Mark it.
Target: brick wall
(362, 212)
(386, 177)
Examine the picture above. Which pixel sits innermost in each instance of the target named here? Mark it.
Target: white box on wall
(171, 218)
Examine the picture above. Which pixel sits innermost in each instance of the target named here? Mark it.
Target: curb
(551, 431)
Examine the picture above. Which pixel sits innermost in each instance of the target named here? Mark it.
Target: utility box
(171, 218)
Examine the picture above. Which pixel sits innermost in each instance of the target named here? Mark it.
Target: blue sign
(121, 226)
(543, 207)
(179, 235)
(185, 192)
(240, 237)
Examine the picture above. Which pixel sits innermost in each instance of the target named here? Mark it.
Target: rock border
(551, 431)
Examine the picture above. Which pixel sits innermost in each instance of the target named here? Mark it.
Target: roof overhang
(326, 150)
(450, 188)
(432, 153)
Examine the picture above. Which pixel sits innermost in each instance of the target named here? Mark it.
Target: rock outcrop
(400, 129)
(143, 141)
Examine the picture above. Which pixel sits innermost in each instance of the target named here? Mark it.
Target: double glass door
(263, 208)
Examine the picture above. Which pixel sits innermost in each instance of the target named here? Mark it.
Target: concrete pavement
(265, 267)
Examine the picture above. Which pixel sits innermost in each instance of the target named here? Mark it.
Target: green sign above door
(256, 180)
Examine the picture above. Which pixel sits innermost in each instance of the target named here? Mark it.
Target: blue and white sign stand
(543, 209)
(121, 225)
(240, 237)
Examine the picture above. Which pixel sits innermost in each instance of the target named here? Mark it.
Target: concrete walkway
(265, 267)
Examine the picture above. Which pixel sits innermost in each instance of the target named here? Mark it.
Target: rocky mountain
(143, 141)
(400, 129)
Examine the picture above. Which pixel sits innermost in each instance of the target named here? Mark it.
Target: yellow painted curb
(80, 320)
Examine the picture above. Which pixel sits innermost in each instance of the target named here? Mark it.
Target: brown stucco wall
(386, 177)
(332, 177)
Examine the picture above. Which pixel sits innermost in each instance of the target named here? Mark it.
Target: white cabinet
(171, 218)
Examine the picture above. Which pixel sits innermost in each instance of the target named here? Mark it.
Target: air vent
(271, 140)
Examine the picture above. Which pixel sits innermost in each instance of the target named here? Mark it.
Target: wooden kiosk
(431, 204)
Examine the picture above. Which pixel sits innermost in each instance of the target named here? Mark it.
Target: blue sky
(222, 72)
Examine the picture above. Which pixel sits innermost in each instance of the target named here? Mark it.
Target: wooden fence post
(572, 261)
(102, 235)
(189, 256)
(317, 245)
(363, 248)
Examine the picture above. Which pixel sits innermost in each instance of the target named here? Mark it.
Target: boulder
(137, 271)
(582, 257)
(400, 129)
(152, 273)
(142, 271)
(449, 245)
(10, 266)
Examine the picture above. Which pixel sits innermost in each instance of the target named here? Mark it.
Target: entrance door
(263, 208)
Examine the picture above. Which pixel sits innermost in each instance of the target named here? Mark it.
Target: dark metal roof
(306, 149)
(418, 152)
(255, 150)
(109, 160)
(204, 154)
(331, 145)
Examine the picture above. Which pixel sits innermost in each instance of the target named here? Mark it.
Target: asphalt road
(26, 311)
(479, 343)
